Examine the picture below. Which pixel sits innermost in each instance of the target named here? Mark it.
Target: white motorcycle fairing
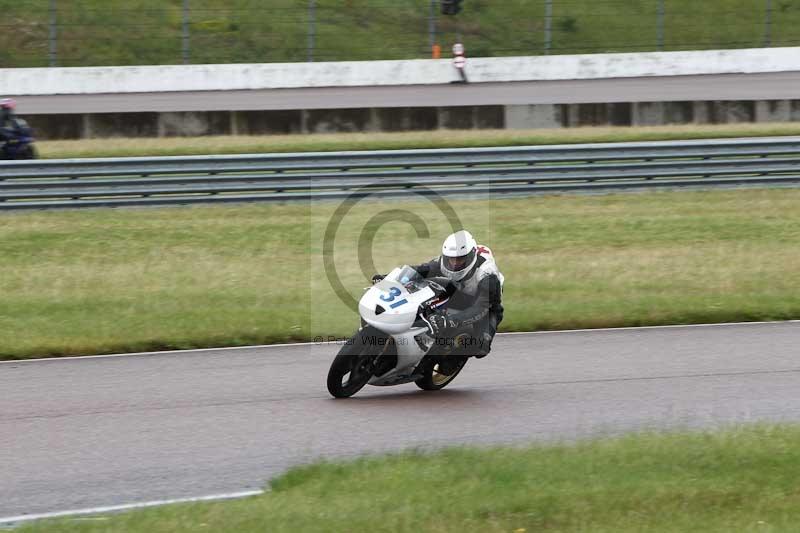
(392, 309)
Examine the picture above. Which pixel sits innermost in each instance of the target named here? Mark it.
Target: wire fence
(39, 33)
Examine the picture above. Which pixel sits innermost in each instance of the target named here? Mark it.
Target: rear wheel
(29, 152)
(439, 374)
(354, 364)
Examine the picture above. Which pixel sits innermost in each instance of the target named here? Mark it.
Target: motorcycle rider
(475, 310)
(8, 120)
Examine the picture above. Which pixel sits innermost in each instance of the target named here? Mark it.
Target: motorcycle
(18, 141)
(393, 345)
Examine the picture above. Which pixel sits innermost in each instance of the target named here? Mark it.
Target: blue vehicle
(17, 141)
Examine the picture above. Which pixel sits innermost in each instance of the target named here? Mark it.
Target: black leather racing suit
(9, 126)
(6, 124)
(476, 307)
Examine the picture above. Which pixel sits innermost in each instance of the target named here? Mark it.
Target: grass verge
(136, 32)
(104, 281)
(121, 147)
(742, 479)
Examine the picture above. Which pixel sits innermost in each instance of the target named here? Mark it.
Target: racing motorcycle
(393, 345)
(18, 142)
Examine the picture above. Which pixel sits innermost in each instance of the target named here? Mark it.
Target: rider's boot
(484, 346)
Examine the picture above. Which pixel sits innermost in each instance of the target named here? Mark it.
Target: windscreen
(410, 278)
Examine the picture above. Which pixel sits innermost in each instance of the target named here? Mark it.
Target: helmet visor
(457, 264)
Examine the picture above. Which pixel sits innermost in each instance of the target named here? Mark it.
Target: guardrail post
(53, 36)
(548, 26)
(660, 25)
(312, 28)
(185, 46)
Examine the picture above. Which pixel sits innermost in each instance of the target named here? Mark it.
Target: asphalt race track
(102, 431)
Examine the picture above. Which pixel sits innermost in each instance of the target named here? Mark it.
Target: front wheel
(353, 366)
(440, 374)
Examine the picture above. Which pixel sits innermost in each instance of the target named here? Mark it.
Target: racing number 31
(394, 292)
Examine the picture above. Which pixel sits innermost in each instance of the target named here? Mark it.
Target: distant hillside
(125, 32)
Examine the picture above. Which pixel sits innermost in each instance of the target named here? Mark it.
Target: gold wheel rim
(438, 378)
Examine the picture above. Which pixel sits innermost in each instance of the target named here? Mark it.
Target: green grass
(121, 147)
(124, 32)
(101, 281)
(741, 480)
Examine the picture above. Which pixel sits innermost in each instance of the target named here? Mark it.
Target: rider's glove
(438, 322)
(377, 278)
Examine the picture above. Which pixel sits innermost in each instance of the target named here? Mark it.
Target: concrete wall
(100, 125)
(248, 77)
(75, 126)
(651, 113)
(511, 92)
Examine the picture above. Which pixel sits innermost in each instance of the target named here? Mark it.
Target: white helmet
(459, 253)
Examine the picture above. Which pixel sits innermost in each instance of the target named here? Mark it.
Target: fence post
(312, 28)
(53, 36)
(660, 25)
(185, 49)
(432, 25)
(548, 26)
(768, 25)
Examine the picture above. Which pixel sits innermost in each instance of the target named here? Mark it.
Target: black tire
(433, 379)
(354, 362)
(29, 152)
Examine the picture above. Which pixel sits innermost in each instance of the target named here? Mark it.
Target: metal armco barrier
(77, 183)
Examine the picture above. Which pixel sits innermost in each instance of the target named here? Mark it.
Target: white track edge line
(163, 352)
(128, 506)
(664, 326)
(300, 344)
